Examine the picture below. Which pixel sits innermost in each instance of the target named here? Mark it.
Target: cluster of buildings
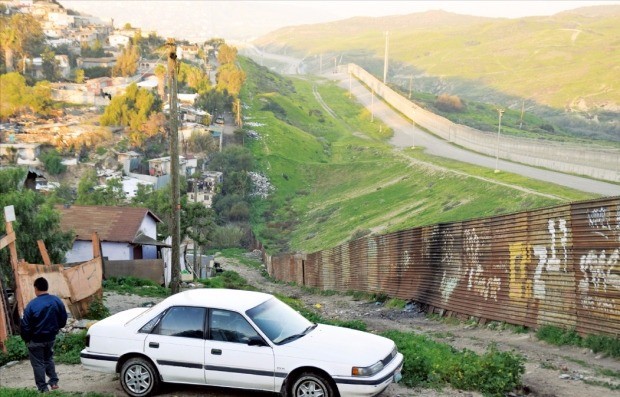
(62, 27)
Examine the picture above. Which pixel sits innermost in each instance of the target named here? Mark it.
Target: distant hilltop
(568, 61)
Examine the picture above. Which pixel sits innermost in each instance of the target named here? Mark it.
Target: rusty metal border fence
(553, 266)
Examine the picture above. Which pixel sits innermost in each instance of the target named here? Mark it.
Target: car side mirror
(257, 341)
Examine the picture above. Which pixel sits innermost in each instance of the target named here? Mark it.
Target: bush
(15, 350)
(432, 364)
(97, 310)
(53, 162)
(449, 103)
(227, 236)
(598, 343)
(68, 347)
(135, 286)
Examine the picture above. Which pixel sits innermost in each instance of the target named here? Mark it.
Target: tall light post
(385, 59)
(372, 106)
(349, 84)
(412, 130)
(500, 112)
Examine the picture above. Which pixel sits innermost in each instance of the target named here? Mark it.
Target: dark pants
(42, 360)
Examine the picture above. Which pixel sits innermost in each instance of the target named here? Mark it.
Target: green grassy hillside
(336, 178)
(568, 62)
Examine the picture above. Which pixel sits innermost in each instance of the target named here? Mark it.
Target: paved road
(406, 135)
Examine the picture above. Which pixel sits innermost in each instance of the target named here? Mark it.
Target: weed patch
(227, 279)
(597, 343)
(66, 349)
(135, 286)
(433, 364)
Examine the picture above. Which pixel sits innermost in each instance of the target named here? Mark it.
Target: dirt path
(550, 371)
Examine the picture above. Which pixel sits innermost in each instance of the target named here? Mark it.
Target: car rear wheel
(312, 384)
(139, 378)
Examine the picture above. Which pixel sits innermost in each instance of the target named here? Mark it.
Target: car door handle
(217, 352)
(154, 345)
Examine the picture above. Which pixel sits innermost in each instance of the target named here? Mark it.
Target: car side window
(182, 321)
(227, 326)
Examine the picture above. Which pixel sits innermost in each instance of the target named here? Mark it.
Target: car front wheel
(139, 378)
(311, 384)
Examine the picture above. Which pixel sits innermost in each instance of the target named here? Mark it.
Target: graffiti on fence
(450, 259)
(600, 268)
(548, 259)
(520, 286)
(487, 287)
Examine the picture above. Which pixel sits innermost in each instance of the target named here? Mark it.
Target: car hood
(336, 344)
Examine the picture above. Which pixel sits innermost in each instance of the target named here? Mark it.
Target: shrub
(15, 350)
(227, 236)
(136, 286)
(97, 310)
(53, 162)
(449, 103)
(433, 364)
(68, 347)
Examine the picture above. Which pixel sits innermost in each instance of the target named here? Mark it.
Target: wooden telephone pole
(175, 282)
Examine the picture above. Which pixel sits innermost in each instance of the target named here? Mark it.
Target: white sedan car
(238, 339)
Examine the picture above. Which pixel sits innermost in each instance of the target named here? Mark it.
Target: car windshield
(279, 322)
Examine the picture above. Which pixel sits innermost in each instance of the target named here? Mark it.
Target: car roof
(227, 299)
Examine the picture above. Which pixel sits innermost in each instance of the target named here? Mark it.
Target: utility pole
(410, 85)
(372, 106)
(500, 112)
(522, 110)
(175, 283)
(349, 84)
(385, 58)
(238, 120)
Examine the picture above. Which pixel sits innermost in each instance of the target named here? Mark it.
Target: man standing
(44, 316)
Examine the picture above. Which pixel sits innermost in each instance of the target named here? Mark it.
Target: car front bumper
(368, 387)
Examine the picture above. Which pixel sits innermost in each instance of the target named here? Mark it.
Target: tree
(160, 72)
(18, 97)
(230, 78)
(213, 101)
(36, 220)
(90, 193)
(50, 65)
(127, 62)
(53, 162)
(226, 54)
(194, 78)
(132, 110)
(79, 76)
(20, 35)
(201, 225)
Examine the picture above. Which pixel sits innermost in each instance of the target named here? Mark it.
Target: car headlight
(367, 371)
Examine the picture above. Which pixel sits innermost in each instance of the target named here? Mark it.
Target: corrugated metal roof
(118, 224)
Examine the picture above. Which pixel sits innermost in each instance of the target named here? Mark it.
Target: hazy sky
(198, 20)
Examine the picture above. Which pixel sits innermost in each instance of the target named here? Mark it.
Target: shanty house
(126, 233)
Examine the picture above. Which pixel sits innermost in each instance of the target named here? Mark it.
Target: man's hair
(41, 284)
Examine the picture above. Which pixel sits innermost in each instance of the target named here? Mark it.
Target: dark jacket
(44, 316)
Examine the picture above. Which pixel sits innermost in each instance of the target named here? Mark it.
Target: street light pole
(385, 60)
(500, 112)
(349, 84)
(372, 106)
(412, 133)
